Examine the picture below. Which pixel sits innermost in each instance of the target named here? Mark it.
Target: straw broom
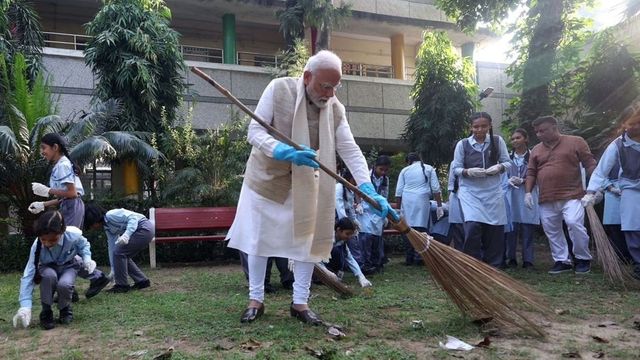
(614, 268)
(478, 290)
(331, 280)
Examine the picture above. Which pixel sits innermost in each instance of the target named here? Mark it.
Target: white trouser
(572, 212)
(302, 273)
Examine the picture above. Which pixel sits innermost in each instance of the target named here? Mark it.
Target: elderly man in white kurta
(286, 206)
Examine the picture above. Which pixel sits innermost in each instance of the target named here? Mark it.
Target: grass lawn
(196, 311)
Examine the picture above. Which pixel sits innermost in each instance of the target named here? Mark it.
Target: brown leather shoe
(306, 316)
(251, 313)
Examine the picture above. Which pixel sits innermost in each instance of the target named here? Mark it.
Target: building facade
(233, 41)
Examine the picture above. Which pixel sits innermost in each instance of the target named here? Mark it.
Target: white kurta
(264, 227)
(415, 192)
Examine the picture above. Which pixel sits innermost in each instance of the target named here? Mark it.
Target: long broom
(613, 267)
(478, 290)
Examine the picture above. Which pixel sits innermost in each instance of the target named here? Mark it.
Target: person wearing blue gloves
(127, 234)
(286, 206)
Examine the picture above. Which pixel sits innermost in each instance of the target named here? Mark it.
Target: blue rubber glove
(305, 157)
(368, 189)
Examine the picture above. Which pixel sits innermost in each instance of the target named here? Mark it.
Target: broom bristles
(478, 290)
(613, 267)
(331, 280)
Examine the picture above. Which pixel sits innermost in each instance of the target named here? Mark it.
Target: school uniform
(72, 210)
(140, 230)
(341, 258)
(523, 219)
(345, 207)
(456, 219)
(58, 268)
(416, 185)
(611, 215)
(370, 237)
(625, 152)
(482, 199)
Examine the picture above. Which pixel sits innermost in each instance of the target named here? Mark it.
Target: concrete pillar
(397, 56)
(467, 50)
(229, 38)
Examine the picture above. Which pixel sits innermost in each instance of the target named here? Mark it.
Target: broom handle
(282, 137)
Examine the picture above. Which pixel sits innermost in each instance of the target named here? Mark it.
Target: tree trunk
(323, 39)
(537, 71)
(314, 40)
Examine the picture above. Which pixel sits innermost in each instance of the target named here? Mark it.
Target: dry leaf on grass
(599, 355)
(335, 333)
(251, 345)
(137, 333)
(607, 323)
(561, 311)
(599, 339)
(166, 355)
(138, 353)
(484, 343)
(572, 355)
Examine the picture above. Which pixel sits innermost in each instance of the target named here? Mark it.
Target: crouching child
(128, 233)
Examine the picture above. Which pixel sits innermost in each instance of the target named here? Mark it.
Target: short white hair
(324, 59)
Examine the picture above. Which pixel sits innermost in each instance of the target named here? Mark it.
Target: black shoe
(141, 285)
(583, 266)
(46, 318)
(269, 289)
(251, 313)
(96, 286)
(512, 263)
(119, 289)
(66, 315)
(527, 265)
(560, 267)
(306, 316)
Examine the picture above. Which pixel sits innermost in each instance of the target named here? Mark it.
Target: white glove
(36, 207)
(588, 200)
(599, 196)
(515, 181)
(40, 190)
(364, 282)
(123, 239)
(528, 201)
(23, 316)
(439, 212)
(90, 266)
(495, 169)
(615, 190)
(476, 172)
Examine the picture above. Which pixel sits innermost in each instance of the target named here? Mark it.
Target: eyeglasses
(328, 86)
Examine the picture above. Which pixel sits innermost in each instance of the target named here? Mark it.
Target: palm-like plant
(20, 33)
(29, 116)
(319, 14)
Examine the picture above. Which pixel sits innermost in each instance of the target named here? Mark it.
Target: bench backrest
(176, 219)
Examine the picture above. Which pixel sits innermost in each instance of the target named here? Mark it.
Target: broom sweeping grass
(331, 280)
(615, 271)
(478, 289)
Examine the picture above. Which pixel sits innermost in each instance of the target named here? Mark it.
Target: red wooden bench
(217, 220)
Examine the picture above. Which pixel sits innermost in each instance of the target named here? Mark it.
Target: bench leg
(152, 253)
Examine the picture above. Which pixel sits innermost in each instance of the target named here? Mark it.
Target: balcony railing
(214, 55)
(379, 71)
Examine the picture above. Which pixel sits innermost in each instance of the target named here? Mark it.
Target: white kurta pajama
(265, 227)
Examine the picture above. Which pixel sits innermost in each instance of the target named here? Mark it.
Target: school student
(523, 219)
(478, 161)
(127, 234)
(611, 215)
(417, 183)
(346, 207)
(456, 219)
(67, 190)
(53, 265)
(625, 151)
(370, 239)
(340, 254)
